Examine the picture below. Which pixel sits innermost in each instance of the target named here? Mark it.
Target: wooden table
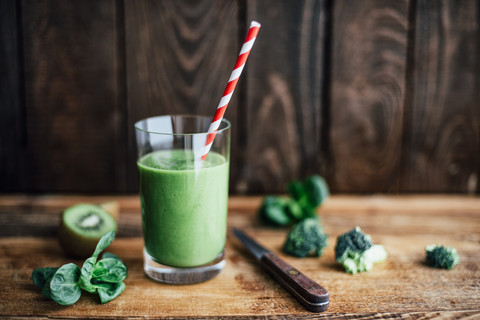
(401, 287)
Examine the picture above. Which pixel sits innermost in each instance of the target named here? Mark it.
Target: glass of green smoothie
(183, 198)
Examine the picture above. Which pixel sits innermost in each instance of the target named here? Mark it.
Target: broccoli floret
(306, 238)
(356, 252)
(439, 256)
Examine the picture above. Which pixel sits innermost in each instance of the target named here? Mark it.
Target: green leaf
(90, 264)
(309, 194)
(64, 286)
(109, 291)
(105, 277)
(317, 190)
(273, 211)
(297, 191)
(87, 273)
(104, 242)
(293, 209)
(111, 255)
(110, 270)
(42, 277)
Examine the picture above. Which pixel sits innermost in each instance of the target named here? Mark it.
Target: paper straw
(232, 82)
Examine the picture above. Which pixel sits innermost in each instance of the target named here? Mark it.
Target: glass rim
(137, 124)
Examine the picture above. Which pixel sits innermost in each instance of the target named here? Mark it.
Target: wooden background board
(12, 133)
(74, 118)
(442, 145)
(401, 287)
(369, 49)
(177, 63)
(377, 96)
(285, 83)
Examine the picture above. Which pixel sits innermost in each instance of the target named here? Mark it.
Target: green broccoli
(356, 252)
(306, 238)
(439, 256)
(305, 197)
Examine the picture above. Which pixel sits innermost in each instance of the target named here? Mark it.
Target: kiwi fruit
(111, 207)
(81, 227)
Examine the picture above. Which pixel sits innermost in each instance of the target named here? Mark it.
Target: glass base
(166, 274)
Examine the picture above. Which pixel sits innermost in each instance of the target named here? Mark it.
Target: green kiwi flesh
(82, 226)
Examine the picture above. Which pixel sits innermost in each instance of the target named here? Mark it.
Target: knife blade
(310, 294)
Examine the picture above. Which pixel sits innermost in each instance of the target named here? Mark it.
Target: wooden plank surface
(401, 287)
(179, 56)
(284, 94)
(75, 116)
(442, 150)
(12, 133)
(369, 65)
(378, 96)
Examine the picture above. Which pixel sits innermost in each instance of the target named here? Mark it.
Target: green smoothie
(184, 212)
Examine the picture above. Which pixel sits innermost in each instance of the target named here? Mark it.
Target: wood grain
(74, 119)
(369, 46)
(401, 287)
(309, 293)
(179, 57)
(442, 149)
(285, 79)
(377, 96)
(12, 133)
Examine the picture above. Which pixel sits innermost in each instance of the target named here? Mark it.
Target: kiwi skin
(111, 207)
(76, 245)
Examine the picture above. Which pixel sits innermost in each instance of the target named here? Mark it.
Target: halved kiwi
(111, 207)
(82, 226)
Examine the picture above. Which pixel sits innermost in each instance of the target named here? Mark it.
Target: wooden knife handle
(309, 293)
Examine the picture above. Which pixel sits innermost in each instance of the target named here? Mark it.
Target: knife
(309, 293)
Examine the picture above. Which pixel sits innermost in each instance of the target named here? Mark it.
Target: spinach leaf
(110, 255)
(104, 242)
(108, 291)
(90, 264)
(309, 194)
(86, 274)
(299, 193)
(105, 277)
(317, 190)
(110, 270)
(42, 278)
(64, 288)
(273, 211)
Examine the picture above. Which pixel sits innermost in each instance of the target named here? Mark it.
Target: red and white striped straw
(232, 82)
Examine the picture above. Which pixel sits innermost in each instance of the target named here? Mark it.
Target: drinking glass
(183, 198)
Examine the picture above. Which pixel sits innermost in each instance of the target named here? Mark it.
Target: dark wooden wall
(377, 96)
